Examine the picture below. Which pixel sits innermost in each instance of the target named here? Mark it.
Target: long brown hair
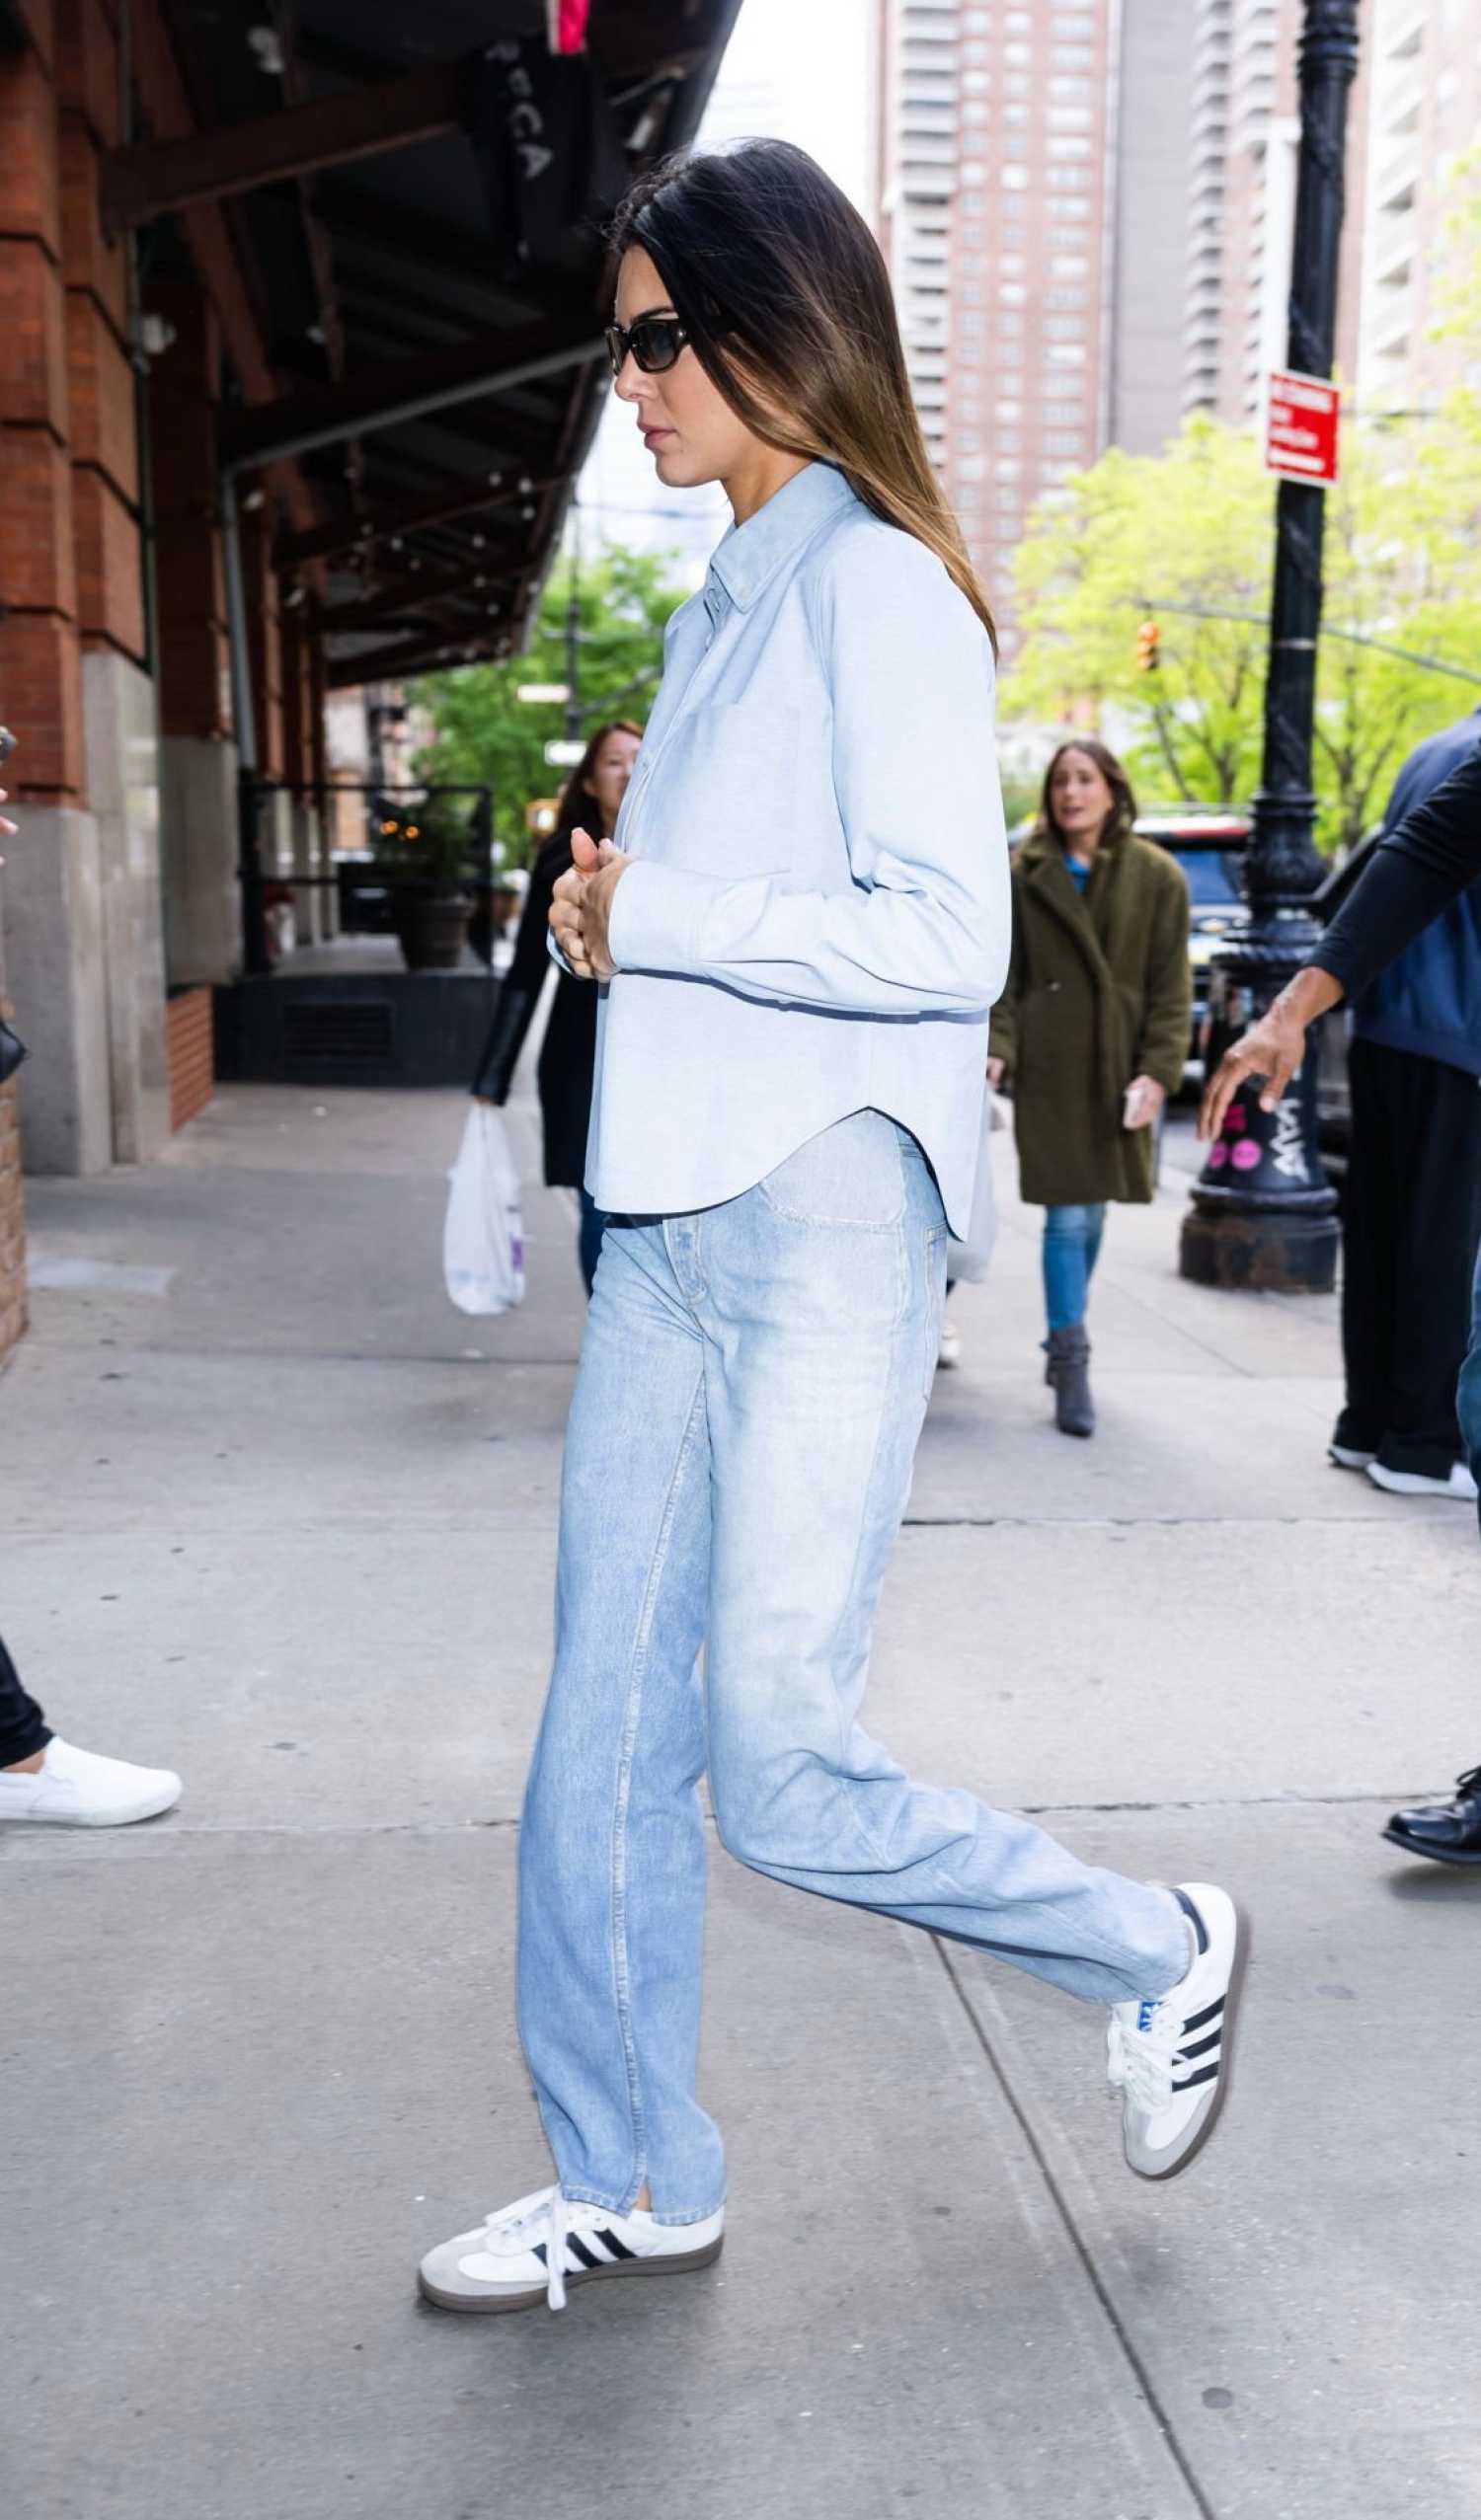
(578, 795)
(780, 287)
(1123, 806)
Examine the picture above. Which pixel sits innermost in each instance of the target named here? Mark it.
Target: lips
(651, 436)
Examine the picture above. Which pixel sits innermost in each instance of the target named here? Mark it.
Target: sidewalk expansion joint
(20, 1842)
(1137, 2367)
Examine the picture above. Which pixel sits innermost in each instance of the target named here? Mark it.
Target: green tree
(483, 734)
(1188, 538)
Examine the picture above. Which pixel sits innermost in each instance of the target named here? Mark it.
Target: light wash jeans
(1072, 1247)
(738, 1456)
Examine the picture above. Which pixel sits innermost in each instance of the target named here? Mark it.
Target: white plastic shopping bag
(483, 1238)
(970, 1260)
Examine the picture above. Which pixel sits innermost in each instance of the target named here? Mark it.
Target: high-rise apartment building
(1244, 133)
(996, 150)
(1426, 109)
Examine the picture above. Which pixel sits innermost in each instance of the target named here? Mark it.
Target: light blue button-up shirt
(817, 920)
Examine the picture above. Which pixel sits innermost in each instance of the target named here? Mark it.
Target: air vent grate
(347, 1031)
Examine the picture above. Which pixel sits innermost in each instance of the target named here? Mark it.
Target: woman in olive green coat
(1091, 1032)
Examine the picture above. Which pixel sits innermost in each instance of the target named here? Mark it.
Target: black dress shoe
(1450, 1832)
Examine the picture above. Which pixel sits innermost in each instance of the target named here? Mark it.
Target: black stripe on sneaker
(579, 2249)
(539, 2250)
(1199, 1928)
(1200, 2047)
(1205, 2019)
(618, 2248)
(1204, 2074)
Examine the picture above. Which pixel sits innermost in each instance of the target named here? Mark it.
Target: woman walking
(592, 795)
(1091, 1032)
(798, 934)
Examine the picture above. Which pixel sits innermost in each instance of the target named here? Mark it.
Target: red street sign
(1302, 414)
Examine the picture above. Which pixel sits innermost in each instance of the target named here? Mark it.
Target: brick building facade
(304, 352)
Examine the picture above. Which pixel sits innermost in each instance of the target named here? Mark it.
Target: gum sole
(486, 2303)
(1226, 2077)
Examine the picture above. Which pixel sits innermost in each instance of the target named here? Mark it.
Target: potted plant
(428, 848)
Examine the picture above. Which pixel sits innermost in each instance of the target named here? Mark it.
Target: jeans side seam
(620, 1970)
(845, 1725)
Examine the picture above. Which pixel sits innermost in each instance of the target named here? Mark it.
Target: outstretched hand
(1273, 1047)
(581, 910)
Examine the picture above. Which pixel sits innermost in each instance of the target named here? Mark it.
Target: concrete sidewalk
(281, 1517)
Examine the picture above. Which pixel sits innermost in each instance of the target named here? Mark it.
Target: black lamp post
(1262, 1213)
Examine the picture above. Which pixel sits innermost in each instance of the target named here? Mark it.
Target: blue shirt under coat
(818, 917)
(1428, 999)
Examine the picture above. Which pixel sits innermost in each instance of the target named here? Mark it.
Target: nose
(627, 383)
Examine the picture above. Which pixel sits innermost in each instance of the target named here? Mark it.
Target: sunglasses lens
(655, 345)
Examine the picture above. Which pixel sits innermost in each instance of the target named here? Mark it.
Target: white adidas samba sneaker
(1169, 2054)
(529, 2251)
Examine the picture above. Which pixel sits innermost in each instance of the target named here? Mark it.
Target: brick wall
(190, 1049)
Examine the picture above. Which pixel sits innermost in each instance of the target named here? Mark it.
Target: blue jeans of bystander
(1072, 1245)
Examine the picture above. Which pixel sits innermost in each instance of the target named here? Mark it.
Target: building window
(1072, 90)
(973, 239)
(1013, 293)
(1064, 328)
(1068, 210)
(1009, 326)
(1066, 355)
(975, 83)
(1073, 57)
(1013, 179)
(1060, 144)
(1069, 179)
(1069, 266)
(1009, 411)
(1020, 54)
(1067, 297)
(1060, 442)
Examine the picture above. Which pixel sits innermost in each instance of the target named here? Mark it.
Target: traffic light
(1150, 648)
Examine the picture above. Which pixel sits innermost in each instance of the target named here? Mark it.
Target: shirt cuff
(656, 918)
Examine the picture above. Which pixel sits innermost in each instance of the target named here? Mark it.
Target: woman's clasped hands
(581, 910)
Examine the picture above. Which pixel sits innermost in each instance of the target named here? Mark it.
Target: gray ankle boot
(1067, 1374)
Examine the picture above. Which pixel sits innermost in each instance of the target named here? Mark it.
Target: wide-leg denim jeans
(738, 1461)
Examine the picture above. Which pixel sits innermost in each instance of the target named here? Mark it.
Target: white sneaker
(949, 1354)
(1349, 1457)
(79, 1790)
(1169, 2054)
(1413, 1482)
(527, 2252)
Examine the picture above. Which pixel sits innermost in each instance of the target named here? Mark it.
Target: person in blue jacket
(1412, 1211)
(1428, 861)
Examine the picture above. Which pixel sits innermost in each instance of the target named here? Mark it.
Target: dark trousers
(22, 1728)
(1412, 1218)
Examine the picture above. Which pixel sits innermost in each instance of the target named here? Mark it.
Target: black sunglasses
(654, 342)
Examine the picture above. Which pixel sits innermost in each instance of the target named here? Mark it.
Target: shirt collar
(748, 556)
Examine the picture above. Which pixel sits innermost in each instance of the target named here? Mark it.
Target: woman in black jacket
(593, 794)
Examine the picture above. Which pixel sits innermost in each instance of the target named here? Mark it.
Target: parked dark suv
(1208, 843)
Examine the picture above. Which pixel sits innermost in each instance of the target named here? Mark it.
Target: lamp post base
(1265, 1250)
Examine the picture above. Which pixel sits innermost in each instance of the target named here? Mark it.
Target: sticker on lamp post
(1302, 419)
